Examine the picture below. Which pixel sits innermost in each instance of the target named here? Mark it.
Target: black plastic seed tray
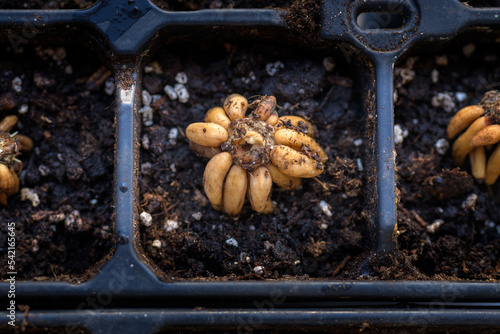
(127, 297)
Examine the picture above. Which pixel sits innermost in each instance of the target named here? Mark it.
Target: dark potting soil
(71, 121)
(187, 238)
(448, 223)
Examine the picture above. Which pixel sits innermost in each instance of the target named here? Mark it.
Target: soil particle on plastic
(189, 5)
(304, 16)
(70, 169)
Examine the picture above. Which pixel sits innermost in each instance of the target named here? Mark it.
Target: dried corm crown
(482, 132)
(248, 153)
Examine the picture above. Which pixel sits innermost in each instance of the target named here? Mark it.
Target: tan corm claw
(250, 153)
(259, 188)
(478, 162)
(493, 167)
(482, 131)
(10, 166)
(299, 123)
(217, 115)
(206, 134)
(462, 119)
(286, 182)
(294, 163)
(488, 136)
(235, 189)
(213, 178)
(462, 147)
(299, 141)
(235, 106)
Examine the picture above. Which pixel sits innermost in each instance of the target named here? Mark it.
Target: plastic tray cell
(455, 222)
(314, 226)
(63, 211)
